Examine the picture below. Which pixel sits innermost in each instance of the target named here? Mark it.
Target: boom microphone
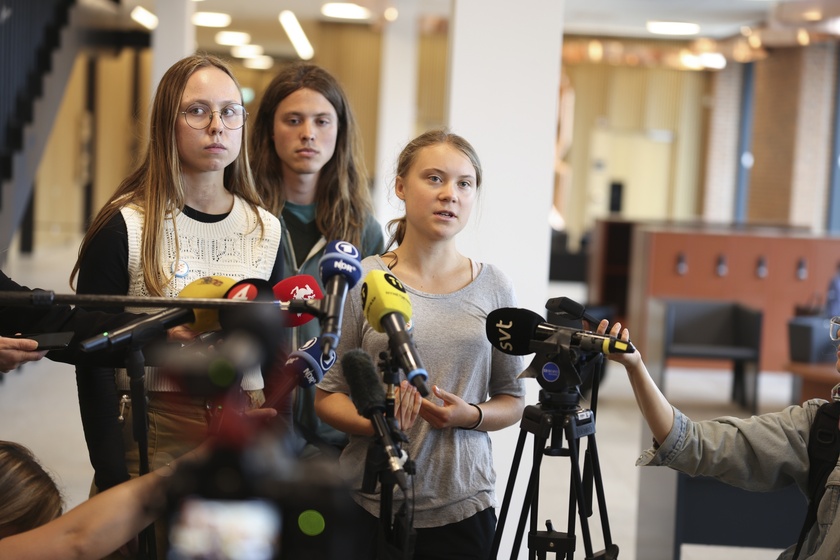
(387, 309)
(571, 309)
(340, 270)
(307, 364)
(369, 397)
(302, 292)
(520, 331)
(140, 331)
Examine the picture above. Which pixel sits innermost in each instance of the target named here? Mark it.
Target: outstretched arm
(95, 527)
(657, 411)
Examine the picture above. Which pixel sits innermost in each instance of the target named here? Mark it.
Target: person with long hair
(474, 387)
(188, 210)
(306, 155)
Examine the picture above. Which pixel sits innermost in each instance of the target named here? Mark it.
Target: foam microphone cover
(383, 293)
(307, 364)
(213, 287)
(366, 389)
(301, 286)
(260, 321)
(511, 329)
(340, 258)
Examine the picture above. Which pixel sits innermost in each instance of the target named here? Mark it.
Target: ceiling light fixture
(672, 28)
(211, 19)
(292, 27)
(262, 62)
(232, 38)
(713, 60)
(345, 10)
(144, 17)
(391, 14)
(246, 51)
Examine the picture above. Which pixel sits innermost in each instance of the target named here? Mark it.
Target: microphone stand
(396, 538)
(135, 364)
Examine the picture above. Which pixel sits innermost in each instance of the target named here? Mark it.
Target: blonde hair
(156, 185)
(408, 156)
(342, 197)
(29, 495)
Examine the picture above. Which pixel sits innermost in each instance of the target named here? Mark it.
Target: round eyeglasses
(834, 328)
(199, 116)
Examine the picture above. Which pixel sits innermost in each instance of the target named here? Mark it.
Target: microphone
(261, 322)
(340, 270)
(571, 309)
(369, 397)
(141, 330)
(301, 292)
(308, 364)
(207, 287)
(520, 331)
(387, 309)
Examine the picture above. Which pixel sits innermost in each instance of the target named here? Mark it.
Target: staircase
(37, 50)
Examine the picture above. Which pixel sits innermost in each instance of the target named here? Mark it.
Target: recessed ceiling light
(300, 42)
(231, 38)
(144, 17)
(211, 19)
(672, 28)
(262, 62)
(345, 10)
(391, 14)
(246, 51)
(714, 60)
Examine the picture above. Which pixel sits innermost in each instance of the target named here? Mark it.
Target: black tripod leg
(592, 449)
(530, 493)
(514, 468)
(579, 496)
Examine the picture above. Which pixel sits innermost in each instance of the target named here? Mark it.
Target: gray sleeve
(760, 453)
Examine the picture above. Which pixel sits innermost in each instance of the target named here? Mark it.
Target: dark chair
(716, 330)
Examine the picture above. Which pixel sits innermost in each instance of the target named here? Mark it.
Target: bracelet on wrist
(480, 418)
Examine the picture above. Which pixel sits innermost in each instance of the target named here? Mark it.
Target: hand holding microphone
(387, 309)
(520, 332)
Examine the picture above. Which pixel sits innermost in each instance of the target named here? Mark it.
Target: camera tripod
(559, 415)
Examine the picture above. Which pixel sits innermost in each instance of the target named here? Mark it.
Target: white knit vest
(232, 247)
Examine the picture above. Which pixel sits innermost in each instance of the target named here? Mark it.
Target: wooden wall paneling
(653, 276)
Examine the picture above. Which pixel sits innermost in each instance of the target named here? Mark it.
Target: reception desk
(812, 380)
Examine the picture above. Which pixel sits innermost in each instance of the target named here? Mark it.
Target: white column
(397, 105)
(504, 77)
(174, 37)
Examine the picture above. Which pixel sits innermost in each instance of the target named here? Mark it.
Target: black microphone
(571, 309)
(520, 331)
(340, 270)
(140, 331)
(369, 397)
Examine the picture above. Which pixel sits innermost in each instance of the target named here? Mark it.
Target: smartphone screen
(50, 341)
(225, 530)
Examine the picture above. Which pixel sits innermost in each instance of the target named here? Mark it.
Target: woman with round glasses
(761, 454)
(188, 210)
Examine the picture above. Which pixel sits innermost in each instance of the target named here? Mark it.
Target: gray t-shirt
(455, 477)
